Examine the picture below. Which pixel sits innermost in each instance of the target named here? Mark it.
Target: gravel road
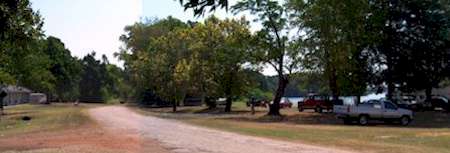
(180, 137)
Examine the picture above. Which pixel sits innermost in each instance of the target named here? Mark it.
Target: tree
(20, 30)
(117, 85)
(337, 40)
(168, 51)
(415, 44)
(271, 44)
(138, 53)
(227, 43)
(231, 57)
(64, 68)
(92, 79)
(199, 6)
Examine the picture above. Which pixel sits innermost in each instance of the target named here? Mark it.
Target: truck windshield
(389, 105)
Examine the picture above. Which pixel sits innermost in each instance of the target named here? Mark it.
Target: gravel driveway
(180, 137)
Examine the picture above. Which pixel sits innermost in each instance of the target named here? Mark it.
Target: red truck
(316, 102)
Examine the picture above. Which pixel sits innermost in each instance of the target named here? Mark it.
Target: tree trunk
(3, 94)
(228, 104)
(1, 106)
(274, 108)
(389, 80)
(358, 99)
(174, 106)
(228, 91)
(333, 83)
(428, 91)
(390, 91)
(253, 107)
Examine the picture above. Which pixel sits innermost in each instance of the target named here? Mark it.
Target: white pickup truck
(373, 110)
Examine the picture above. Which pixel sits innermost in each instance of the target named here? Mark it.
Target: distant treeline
(328, 47)
(43, 64)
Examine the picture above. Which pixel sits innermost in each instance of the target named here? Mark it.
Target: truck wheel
(300, 108)
(404, 120)
(363, 120)
(318, 109)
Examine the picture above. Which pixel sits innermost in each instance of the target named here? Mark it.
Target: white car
(373, 110)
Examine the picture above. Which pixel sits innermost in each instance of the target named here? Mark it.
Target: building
(16, 95)
(39, 98)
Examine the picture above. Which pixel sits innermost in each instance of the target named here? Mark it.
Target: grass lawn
(43, 118)
(429, 132)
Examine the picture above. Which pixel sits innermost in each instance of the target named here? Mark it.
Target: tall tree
(231, 57)
(226, 44)
(168, 51)
(20, 29)
(272, 43)
(64, 68)
(415, 45)
(138, 52)
(337, 41)
(92, 79)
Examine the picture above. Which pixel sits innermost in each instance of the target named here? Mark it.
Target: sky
(96, 25)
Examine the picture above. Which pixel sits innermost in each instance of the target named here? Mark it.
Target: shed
(16, 95)
(39, 98)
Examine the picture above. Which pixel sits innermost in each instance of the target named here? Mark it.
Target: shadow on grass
(220, 110)
(299, 118)
(421, 120)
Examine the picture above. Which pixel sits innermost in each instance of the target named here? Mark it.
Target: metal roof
(16, 89)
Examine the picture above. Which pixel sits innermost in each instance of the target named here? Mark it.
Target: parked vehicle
(439, 102)
(259, 103)
(373, 110)
(285, 103)
(409, 102)
(316, 102)
(413, 103)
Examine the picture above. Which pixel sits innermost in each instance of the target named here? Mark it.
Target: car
(258, 103)
(440, 102)
(316, 102)
(384, 110)
(285, 103)
(409, 102)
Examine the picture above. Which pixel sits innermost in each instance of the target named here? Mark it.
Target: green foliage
(337, 37)
(65, 68)
(257, 93)
(199, 6)
(22, 60)
(100, 81)
(271, 44)
(138, 62)
(204, 60)
(415, 43)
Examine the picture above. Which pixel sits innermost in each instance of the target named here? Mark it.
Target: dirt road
(179, 137)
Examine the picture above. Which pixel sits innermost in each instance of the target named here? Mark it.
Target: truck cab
(316, 102)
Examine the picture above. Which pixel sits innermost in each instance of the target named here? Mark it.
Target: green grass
(429, 133)
(43, 118)
(378, 139)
